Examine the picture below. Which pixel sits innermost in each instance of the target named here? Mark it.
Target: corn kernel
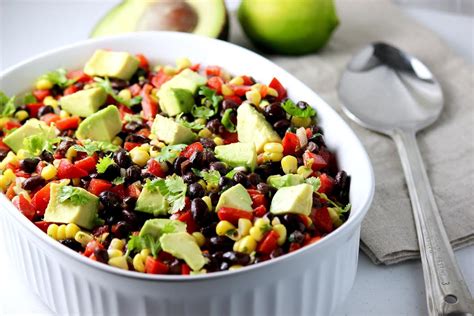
(9, 174)
(253, 96)
(49, 172)
(49, 100)
(22, 154)
(275, 221)
(260, 227)
(219, 141)
(4, 183)
(289, 164)
(247, 245)
(82, 237)
(119, 262)
(273, 147)
(114, 253)
(224, 227)
(236, 246)
(61, 233)
(117, 244)
(211, 187)
(304, 171)
(145, 147)
(281, 230)
(169, 70)
(235, 267)
(301, 121)
(139, 156)
(43, 84)
(117, 141)
(145, 252)
(238, 81)
(275, 157)
(64, 114)
(200, 239)
(263, 104)
(157, 68)
(202, 183)
(52, 231)
(10, 158)
(183, 62)
(71, 230)
(226, 90)
(244, 226)
(205, 133)
(208, 202)
(71, 153)
(21, 115)
(272, 92)
(138, 263)
(125, 94)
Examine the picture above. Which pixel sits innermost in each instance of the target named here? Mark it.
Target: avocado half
(203, 17)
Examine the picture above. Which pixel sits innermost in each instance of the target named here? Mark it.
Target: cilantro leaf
(169, 153)
(7, 105)
(227, 122)
(104, 163)
(133, 118)
(58, 77)
(169, 227)
(105, 84)
(37, 143)
(74, 195)
(92, 146)
(210, 97)
(291, 108)
(231, 173)
(315, 182)
(118, 180)
(138, 243)
(211, 176)
(202, 111)
(190, 125)
(29, 98)
(172, 188)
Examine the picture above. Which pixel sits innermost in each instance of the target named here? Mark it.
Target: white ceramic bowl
(311, 281)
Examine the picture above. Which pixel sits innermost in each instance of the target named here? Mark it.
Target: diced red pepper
(24, 206)
(234, 98)
(263, 91)
(155, 168)
(70, 90)
(68, 123)
(128, 146)
(88, 164)
(154, 266)
(247, 80)
(11, 125)
(327, 183)
(269, 243)
(290, 143)
(260, 211)
(232, 214)
(275, 84)
(91, 247)
(149, 106)
(10, 194)
(50, 118)
(133, 191)
(143, 61)
(41, 199)
(41, 94)
(215, 83)
(316, 162)
(42, 225)
(305, 220)
(240, 90)
(97, 186)
(160, 78)
(195, 67)
(145, 132)
(312, 240)
(189, 150)
(213, 71)
(230, 138)
(3, 146)
(185, 270)
(322, 221)
(79, 76)
(120, 190)
(33, 108)
(258, 200)
(187, 218)
(123, 110)
(22, 174)
(67, 170)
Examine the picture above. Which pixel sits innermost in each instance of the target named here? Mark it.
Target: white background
(28, 27)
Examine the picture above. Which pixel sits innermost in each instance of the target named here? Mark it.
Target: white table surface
(28, 27)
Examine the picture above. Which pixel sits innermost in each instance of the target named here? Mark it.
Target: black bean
(190, 177)
(46, 156)
(254, 178)
(263, 187)
(186, 166)
(236, 258)
(215, 126)
(3, 154)
(122, 158)
(98, 231)
(316, 201)
(45, 110)
(174, 267)
(240, 177)
(207, 143)
(220, 243)
(129, 217)
(133, 173)
(64, 146)
(136, 138)
(112, 172)
(72, 244)
(225, 183)
(342, 183)
(276, 253)
(195, 190)
(274, 112)
(296, 237)
(196, 159)
(208, 157)
(33, 182)
(281, 126)
(229, 104)
(29, 164)
(101, 255)
(219, 166)
(118, 84)
(224, 266)
(199, 211)
(133, 126)
(209, 230)
(292, 223)
(111, 219)
(110, 200)
(121, 229)
(214, 197)
(177, 165)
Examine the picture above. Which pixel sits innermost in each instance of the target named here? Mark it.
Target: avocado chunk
(297, 199)
(170, 132)
(237, 154)
(287, 180)
(102, 125)
(15, 140)
(103, 63)
(79, 208)
(235, 197)
(156, 227)
(84, 102)
(183, 246)
(151, 201)
(252, 127)
(208, 18)
(175, 100)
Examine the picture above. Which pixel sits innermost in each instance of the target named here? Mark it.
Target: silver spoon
(393, 93)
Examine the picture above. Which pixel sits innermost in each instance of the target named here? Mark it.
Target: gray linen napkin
(388, 232)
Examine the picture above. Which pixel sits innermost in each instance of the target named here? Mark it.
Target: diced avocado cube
(252, 127)
(121, 65)
(235, 197)
(237, 155)
(83, 214)
(84, 102)
(287, 180)
(297, 199)
(183, 246)
(102, 125)
(15, 139)
(186, 79)
(170, 132)
(151, 201)
(158, 226)
(175, 100)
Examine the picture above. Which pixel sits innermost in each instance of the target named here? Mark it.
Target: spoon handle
(446, 291)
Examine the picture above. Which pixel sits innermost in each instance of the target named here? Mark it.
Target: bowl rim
(330, 238)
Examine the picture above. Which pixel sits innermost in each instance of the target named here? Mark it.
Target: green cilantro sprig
(29, 98)
(7, 105)
(170, 152)
(37, 143)
(138, 243)
(105, 84)
(227, 122)
(212, 176)
(210, 103)
(73, 195)
(190, 125)
(92, 146)
(316, 183)
(292, 109)
(58, 77)
(172, 188)
(104, 163)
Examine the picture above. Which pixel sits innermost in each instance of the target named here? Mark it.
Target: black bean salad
(169, 169)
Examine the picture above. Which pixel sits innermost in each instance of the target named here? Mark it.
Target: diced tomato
(67, 170)
(33, 108)
(327, 183)
(294, 246)
(160, 78)
(78, 75)
(240, 90)
(187, 218)
(155, 168)
(10, 194)
(41, 199)
(215, 83)
(22, 174)
(120, 190)
(70, 90)
(290, 143)
(316, 162)
(149, 106)
(133, 191)
(128, 146)
(143, 61)
(42, 225)
(68, 123)
(269, 243)
(230, 138)
(213, 71)
(11, 125)
(123, 110)
(185, 270)
(154, 266)
(260, 211)
(257, 198)
(234, 98)
(91, 247)
(321, 220)
(247, 80)
(312, 240)
(97, 186)
(275, 84)
(50, 118)
(189, 150)
(195, 67)
(41, 94)
(232, 214)
(24, 206)
(87, 164)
